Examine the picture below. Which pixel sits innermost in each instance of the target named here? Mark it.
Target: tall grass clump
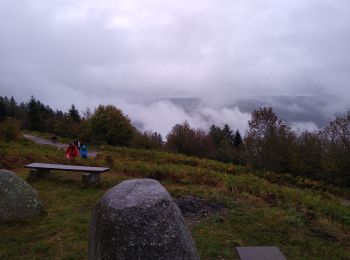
(16, 154)
(250, 185)
(162, 157)
(9, 130)
(320, 202)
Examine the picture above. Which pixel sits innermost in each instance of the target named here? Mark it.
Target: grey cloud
(130, 52)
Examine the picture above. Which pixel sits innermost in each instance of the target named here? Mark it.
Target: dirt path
(44, 141)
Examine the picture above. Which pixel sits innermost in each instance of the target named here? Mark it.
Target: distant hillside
(290, 108)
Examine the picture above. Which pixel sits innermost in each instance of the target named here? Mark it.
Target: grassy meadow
(305, 222)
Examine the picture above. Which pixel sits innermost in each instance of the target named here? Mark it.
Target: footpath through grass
(304, 223)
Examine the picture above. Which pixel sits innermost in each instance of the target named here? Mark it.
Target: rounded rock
(138, 219)
(18, 200)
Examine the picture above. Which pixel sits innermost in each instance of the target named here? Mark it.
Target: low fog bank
(162, 114)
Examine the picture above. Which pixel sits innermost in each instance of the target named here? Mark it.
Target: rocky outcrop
(18, 200)
(138, 219)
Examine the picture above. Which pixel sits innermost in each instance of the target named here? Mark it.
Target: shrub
(109, 125)
(9, 130)
(184, 139)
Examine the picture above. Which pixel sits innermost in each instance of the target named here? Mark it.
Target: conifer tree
(237, 139)
(39, 115)
(228, 133)
(74, 113)
(3, 110)
(216, 135)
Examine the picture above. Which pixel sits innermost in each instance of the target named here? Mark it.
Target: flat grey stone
(18, 200)
(260, 253)
(138, 219)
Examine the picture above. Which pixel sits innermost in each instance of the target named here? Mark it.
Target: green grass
(255, 224)
(61, 232)
(305, 223)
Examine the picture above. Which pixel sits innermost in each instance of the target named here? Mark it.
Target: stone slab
(260, 253)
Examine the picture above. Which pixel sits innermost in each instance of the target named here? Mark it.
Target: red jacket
(72, 151)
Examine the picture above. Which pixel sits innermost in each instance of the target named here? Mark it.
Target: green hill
(303, 222)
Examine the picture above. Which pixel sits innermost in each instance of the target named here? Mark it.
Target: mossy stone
(18, 200)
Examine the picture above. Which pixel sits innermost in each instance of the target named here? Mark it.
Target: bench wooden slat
(63, 167)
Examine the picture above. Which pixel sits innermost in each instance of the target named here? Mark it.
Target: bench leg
(90, 178)
(38, 174)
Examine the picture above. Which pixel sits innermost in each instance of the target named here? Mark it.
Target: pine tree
(216, 135)
(39, 115)
(33, 114)
(12, 107)
(74, 113)
(3, 110)
(228, 133)
(237, 141)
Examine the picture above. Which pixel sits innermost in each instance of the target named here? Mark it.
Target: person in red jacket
(71, 152)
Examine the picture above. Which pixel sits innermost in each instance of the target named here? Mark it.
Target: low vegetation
(269, 144)
(305, 222)
(279, 187)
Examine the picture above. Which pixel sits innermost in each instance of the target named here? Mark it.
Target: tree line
(104, 125)
(269, 143)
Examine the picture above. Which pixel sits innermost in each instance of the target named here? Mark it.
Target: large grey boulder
(138, 219)
(18, 200)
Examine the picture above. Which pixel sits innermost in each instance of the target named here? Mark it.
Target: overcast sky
(128, 53)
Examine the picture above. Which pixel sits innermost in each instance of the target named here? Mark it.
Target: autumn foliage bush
(9, 130)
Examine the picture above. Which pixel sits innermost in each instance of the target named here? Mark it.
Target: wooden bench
(91, 174)
(260, 253)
